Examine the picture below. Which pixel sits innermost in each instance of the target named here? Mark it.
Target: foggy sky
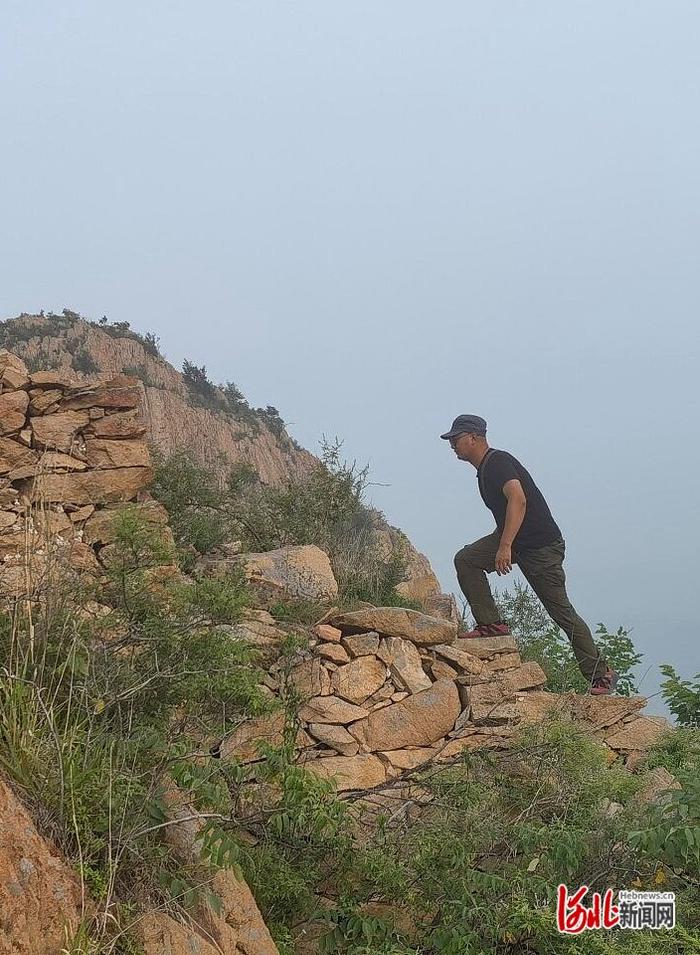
(378, 215)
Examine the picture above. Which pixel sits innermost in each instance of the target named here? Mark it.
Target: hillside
(214, 425)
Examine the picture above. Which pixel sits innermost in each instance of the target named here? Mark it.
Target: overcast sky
(378, 215)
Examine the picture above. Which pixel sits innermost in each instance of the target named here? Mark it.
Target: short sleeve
(499, 470)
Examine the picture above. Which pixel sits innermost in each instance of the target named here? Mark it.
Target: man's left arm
(515, 515)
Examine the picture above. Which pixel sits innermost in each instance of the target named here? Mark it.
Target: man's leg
(543, 569)
(471, 563)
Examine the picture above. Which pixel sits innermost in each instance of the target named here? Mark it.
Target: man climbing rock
(526, 534)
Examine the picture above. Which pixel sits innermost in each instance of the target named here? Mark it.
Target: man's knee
(462, 557)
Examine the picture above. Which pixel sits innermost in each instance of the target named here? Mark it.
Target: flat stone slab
(412, 625)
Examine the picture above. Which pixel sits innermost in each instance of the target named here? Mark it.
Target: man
(526, 534)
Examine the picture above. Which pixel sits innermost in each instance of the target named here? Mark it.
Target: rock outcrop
(171, 418)
(61, 479)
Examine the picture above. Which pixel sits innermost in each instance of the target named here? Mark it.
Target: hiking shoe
(489, 630)
(604, 685)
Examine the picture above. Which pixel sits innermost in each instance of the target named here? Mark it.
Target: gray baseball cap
(465, 423)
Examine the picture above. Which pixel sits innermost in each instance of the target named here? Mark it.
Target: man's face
(461, 444)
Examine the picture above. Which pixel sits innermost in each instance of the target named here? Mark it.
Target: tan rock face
(484, 647)
(13, 411)
(310, 679)
(350, 772)
(337, 737)
(100, 527)
(359, 679)
(302, 572)
(398, 622)
(58, 431)
(13, 371)
(90, 487)
(639, 734)
(361, 644)
(405, 664)
(14, 455)
(330, 709)
(243, 743)
(39, 894)
(104, 453)
(119, 424)
(419, 720)
(327, 633)
(121, 392)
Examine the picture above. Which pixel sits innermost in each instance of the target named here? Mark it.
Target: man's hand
(503, 560)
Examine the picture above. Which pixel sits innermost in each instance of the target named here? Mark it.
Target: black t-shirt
(538, 527)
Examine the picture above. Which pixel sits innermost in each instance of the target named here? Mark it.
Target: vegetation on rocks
(327, 508)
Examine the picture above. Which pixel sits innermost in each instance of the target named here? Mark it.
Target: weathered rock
(82, 513)
(14, 455)
(603, 711)
(534, 706)
(442, 605)
(160, 934)
(640, 734)
(120, 392)
(525, 677)
(50, 461)
(310, 678)
(419, 720)
(58, 431)
(485, 647)
(657, 784)
(475, 740)
(126, 424)
(406, 666)
(403, 759)
(40, 897)
(44, 401)
(101, 527)
(89, 487)
(359, 679)
(337, 737)
(334, 652)
(443, 671)
(492, 703)
(361, 644)
(243, 743)
(13, 371)
(13, 411)
(398, 622)
(330, 709)
(351, 772)
(462, 659)
(329, 634)
(302, 572)
(125, 453)
(502, 661)
(53, 378)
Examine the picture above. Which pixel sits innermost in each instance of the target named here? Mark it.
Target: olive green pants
(543, 569)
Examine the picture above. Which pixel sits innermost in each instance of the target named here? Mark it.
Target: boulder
(527, 676)
(43, 401)
(417, 627)
(419, 720)
(442, 605)
(359, 679)
(301, 572)
(460, 658)
(334, 652)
